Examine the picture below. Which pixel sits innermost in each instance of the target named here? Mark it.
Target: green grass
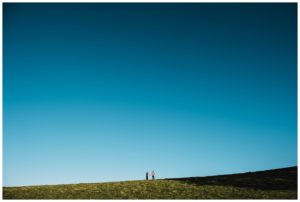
(276, 184)
(158, 189)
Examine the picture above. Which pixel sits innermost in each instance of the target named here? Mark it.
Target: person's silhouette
(147, 175)
(153, 175)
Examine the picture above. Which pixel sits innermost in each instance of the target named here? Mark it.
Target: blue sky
(105, 92)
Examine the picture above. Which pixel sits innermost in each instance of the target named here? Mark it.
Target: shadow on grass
(277, 179)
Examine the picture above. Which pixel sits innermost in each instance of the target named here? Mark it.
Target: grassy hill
(271, 184)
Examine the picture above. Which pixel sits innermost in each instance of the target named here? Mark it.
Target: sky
(103, 92)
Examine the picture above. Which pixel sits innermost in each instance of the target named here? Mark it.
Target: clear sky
(105, 92)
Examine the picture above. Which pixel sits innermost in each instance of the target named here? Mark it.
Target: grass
(182, 188)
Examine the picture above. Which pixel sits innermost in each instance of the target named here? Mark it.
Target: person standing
(147, 175)
(153, 175)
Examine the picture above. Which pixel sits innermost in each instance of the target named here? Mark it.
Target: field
(271, 184)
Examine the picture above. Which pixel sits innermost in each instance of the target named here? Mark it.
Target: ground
(272, 184)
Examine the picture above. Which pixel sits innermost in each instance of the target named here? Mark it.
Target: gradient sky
(105, 92)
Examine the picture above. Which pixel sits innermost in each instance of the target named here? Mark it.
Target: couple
(152, 174)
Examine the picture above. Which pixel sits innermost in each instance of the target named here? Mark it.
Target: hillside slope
(276, 179)
(277, 184)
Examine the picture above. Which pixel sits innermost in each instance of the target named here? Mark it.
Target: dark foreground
(271, 184)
